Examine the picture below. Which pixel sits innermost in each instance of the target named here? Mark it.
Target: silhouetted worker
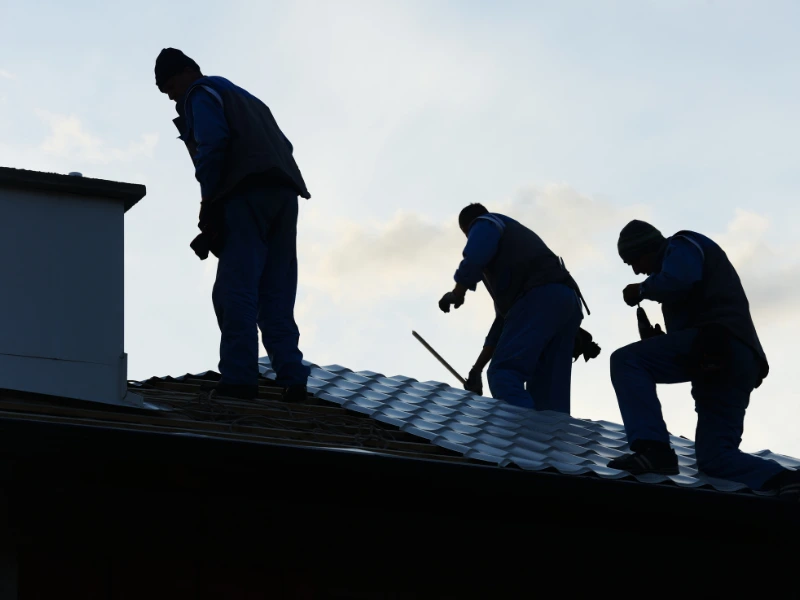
(249, 183)
(537, 305)
(710, 340)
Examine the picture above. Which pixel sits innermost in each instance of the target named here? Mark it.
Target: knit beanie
(171, 61)
(638, 238)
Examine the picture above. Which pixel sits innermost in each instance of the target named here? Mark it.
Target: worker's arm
(211, 134)
(681, 269)
(484, 237)
(482, 242)
(490, 343)
(474, 382)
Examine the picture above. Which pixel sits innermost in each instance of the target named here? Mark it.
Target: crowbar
(439, 358)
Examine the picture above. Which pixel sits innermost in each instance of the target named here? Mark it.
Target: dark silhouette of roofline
(23, 179)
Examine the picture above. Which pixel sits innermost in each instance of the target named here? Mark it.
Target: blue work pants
(256, 284)
(532, 363)
(720, 404)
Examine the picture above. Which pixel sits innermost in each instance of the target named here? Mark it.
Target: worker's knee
(621, 359)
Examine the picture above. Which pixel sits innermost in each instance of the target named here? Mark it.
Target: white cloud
(6, 74)
(770, 271)
(69, 138)
(410, 253)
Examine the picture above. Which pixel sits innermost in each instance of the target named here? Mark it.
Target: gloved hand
(201, 245)
(632, 294)
(474, 382)
(211, 226)
(448, 299)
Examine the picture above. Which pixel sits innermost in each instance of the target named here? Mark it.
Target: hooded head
(175, 72)
(639, 245)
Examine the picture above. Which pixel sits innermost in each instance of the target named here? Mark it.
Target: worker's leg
(635, 371)
(278, 289)
(550, 386)
(720, 407)
(530, 325)
(235, 294)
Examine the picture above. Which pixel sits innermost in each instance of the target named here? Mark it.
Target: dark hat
(171, 61)
(638, 238)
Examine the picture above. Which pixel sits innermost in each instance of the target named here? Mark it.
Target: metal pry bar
(439, 358)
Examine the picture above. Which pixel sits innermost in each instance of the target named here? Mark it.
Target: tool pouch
(584, 346)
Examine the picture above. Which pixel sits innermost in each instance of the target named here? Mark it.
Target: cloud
(770, 272)
(6, 74)
(68, 138)
(410, 253)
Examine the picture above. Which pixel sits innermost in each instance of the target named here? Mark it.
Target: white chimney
(62, 285)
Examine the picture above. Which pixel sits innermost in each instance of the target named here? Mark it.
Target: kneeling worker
(537, 305)
(710, 341)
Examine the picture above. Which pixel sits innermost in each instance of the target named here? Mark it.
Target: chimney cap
(129, 193)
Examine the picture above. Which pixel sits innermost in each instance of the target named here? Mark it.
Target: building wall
(62, 303)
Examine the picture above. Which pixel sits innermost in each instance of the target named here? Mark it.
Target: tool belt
(711, 357)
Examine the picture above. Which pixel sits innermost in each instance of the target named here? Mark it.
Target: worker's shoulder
(495, 219)
(692, 239)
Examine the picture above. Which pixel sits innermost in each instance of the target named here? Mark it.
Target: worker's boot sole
(233, 392)
(295, 393)
(642, 463)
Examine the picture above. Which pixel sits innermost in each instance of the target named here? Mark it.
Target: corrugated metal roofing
(495, 432)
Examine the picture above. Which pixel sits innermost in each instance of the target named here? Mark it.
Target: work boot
(295, 393)
(787, 484)
(647, 457)
(240, 392)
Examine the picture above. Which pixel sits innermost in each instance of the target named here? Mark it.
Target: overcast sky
(571, 117)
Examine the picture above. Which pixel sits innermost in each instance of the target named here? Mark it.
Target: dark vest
(523, 261)
(256, 145)
(717, 299)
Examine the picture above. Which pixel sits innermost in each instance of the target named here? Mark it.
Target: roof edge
(129, 193)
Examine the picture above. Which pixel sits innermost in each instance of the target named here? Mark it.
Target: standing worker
(537, 311)
(249, 183)
(710, 340)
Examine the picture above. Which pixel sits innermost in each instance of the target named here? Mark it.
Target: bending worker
(710, 340)
(249, 183)
(537, 306)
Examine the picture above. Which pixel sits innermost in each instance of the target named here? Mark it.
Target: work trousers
(532, 363)
(256, 285)
(720, 403)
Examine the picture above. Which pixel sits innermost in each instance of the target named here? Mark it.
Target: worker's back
(257, 145)
(522, 261)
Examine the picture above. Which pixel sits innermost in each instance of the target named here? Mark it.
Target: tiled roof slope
(179, 405)
(495, 432)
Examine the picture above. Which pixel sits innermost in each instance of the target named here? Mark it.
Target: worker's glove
(211, 225)
(632, 294)
(201, 245)
(474, 382)
(448, 299)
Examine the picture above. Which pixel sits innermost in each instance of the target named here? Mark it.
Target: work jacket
(254, 144)
(712, 296)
